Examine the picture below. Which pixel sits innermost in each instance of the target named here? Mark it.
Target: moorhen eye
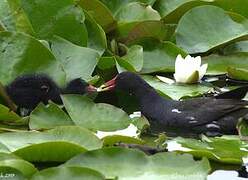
(208, 115)
(44, 88)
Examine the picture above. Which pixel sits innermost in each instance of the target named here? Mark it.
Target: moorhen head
(206, 115)
(28, 91)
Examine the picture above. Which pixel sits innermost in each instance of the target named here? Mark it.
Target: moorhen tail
(28, 91)
(206, 115)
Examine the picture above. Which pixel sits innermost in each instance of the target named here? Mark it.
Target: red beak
(91, 89)
(110, 85)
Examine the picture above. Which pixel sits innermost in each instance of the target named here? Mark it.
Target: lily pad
(132, 61)
(96, 35)
(150, 29)
(47, 117)
(238, 73)
(225, 149)
(48, 18)
(160, 56)
(84, 112)
(136, 165)
(76, 61)
(131, 14)
(195, 32)
(13, 18)
(8, 116)
(58, 144)
(238, 47)
(65, 173)
(15, 167)
(22, 54)
(100, 12)
(176, 91)
(218, 64)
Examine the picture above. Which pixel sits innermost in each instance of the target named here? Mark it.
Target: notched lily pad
(58, 144)
(65, 173)
(110, 162)
(96, 116)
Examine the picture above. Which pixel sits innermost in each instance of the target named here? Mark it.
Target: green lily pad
(76, 61)
(58, 144)
(84, 112)
(65, 173)
(47, 117)
(22, 54)
(136, 165)
(48, 18)
(15, 167)
(176, 91)
(8, 116)
(238, 73)
(131, 14)
(111, 140)
(150, 29)
(160, 56)
(195, 32)
(218, 64)
(100, 12)
(132, 61)
(225, 149)
(13, 18)
(238, 47)
(96, 35)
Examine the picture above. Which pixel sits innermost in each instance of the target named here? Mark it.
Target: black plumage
(28, 91)
(199, 115)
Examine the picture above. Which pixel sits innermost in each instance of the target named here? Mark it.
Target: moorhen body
(206, 115)
(28, 91)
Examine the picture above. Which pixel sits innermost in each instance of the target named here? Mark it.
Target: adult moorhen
(206, 115)
(28, 91)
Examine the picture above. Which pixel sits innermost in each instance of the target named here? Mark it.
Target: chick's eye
(44, 88)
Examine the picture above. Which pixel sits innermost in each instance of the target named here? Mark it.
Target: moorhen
(207, 115)
(28, 91)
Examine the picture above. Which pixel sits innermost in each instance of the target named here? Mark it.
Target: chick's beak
(91, 89)
(110, 85)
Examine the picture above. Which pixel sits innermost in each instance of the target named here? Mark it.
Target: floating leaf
(76, 61)
(65, 173)
(13, 165)
(58, 144)
(13, 17)
(96, 35)
(22, 54)
(100, 12)
(97, 116)
(133, 60)
(160, 57)
(238, 73)
(195, 32)
(136, 165)
(48, 18)
(47, 117)
(150, 29)
(218, 64)
(225, 149)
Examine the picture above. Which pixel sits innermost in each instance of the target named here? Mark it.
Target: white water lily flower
(189, 70)
(131, 131)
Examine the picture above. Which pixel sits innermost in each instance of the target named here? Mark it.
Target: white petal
(202, 71)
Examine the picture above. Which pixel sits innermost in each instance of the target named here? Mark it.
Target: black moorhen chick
(28, 91)
(207, 115)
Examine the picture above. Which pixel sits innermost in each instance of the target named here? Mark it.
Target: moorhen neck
(28, 91)
(207, 115)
